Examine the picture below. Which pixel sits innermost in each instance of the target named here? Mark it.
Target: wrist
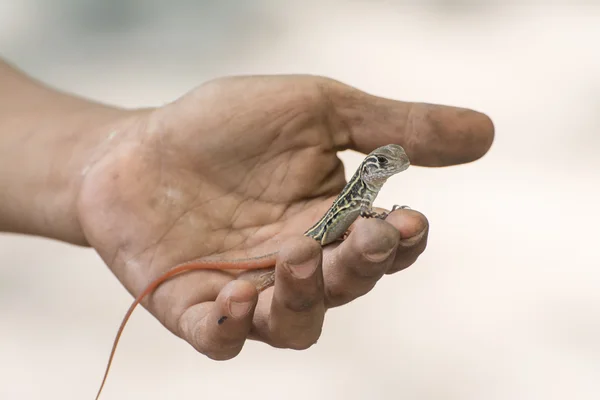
(44, 152)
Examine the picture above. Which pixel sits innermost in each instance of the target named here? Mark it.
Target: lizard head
(384, 162)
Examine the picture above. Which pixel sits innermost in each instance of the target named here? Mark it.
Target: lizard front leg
(368, 212)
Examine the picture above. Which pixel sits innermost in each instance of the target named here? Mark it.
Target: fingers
(414, 229)
(374, 248)
(355, 266)
(432, 135)
(291, 313)
(219, 329)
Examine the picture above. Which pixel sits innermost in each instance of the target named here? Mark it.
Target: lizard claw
(383, 215)
(345, 235)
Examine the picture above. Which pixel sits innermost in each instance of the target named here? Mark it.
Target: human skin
(237, 167)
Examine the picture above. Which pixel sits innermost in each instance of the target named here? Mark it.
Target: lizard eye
(382, 160)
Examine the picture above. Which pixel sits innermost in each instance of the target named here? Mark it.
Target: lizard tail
(265, 261)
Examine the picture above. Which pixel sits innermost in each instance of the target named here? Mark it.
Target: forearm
(46, 140)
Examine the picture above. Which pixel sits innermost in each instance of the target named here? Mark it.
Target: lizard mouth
(404, 164)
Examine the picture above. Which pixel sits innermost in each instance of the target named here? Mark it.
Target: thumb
(432, 135)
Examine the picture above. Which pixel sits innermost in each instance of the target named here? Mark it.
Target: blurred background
(505, 304)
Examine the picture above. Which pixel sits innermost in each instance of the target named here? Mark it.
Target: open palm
(242, 166)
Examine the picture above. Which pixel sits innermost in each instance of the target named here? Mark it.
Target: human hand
(243, 166)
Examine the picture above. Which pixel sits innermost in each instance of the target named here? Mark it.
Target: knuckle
(336, 295)
(301, 305)
(346, 292)
(366, 273)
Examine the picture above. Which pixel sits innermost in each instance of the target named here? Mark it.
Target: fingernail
(411, 241)
(379, 255)
(303, 270)
(239, 309)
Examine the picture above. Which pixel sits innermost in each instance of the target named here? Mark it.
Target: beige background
(505, 304)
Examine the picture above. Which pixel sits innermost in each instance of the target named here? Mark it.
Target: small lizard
(356, 199)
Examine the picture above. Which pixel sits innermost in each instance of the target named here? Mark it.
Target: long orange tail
(265, 261)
